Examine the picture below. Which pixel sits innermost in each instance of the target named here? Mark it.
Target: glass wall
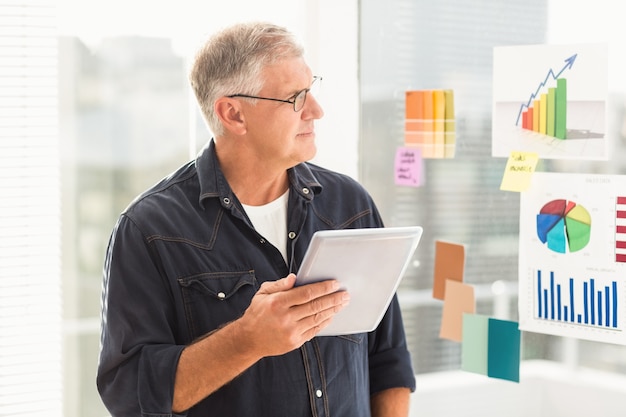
(448, 44)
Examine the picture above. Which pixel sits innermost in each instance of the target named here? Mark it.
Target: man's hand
(282, 317)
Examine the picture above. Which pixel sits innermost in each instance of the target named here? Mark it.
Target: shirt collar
(213, 184)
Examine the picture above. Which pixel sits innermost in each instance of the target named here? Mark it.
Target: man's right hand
(282, 317)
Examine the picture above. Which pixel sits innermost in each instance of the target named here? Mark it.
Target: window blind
(30, 297)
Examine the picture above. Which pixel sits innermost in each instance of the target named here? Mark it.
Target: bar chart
(587, 302)
(572, 256)
(548, 113)
(550, 100)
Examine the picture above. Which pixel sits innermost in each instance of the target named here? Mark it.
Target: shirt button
(226, 201)
(221, 295)
(262, 240)
(292, 235)
(318, 393)
(305, 190)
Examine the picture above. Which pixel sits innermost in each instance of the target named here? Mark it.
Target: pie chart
(564, 226)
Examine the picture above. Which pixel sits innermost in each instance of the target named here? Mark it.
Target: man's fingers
(279, 285)
(310, 292)
(321, 308)
(312, 325)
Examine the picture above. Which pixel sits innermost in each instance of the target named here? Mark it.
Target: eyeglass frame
(292, 100)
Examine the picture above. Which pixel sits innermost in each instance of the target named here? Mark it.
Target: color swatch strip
(430, 122)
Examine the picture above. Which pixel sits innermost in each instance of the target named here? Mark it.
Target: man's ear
(229, 112)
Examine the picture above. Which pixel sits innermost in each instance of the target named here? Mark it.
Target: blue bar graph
(586, 303)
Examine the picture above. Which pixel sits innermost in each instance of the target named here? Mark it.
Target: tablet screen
(368, 263)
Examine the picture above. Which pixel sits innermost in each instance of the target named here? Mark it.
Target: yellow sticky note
(519, 170)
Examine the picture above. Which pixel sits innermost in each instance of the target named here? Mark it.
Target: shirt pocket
(214, 299)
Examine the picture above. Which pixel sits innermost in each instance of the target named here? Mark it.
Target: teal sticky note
(504, 350)
(475, 343)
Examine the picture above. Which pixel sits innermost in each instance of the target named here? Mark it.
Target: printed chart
(572, 265)
(591, 301)
(550, 100)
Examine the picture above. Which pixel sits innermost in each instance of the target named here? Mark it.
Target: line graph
(569, 62)
(550, 100)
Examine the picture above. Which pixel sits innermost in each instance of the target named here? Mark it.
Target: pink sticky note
(408, 167)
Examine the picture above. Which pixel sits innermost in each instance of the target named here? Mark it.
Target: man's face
(279, 135)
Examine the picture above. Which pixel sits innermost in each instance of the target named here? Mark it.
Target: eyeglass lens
(300, 99)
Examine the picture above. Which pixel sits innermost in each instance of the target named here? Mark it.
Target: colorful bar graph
(430, 122)
(548, 113)
(588, 304)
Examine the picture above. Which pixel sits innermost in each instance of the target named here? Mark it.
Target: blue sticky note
(504, 350)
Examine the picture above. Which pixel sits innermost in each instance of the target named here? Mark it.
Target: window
(30, 228)
(127, 118)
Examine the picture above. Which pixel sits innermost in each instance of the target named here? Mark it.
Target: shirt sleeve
(389, 358)
(138, 353)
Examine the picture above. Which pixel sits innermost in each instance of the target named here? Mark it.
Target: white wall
(332, 43)
(546, 389)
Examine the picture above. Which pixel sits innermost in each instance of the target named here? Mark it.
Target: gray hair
(232, 60)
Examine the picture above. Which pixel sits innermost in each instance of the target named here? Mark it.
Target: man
(200, 313)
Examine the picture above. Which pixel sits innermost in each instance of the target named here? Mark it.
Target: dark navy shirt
(184, 259)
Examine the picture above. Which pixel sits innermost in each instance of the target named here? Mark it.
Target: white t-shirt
(270, 220)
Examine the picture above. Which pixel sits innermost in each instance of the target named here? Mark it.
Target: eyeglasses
(297, 99)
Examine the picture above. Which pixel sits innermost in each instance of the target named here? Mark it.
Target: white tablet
(368, 263)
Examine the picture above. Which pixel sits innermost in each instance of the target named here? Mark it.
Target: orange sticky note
(459, 299)
(414, 118)
(449, 264)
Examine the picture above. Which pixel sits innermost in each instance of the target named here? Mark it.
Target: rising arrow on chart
(568, 64)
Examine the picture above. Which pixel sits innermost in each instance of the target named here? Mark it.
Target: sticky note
(491, 347)
(518, 171)
(459, 300)
(414, 118)
(475, 343)
(504, 350)
(449, 264)
(409, 167)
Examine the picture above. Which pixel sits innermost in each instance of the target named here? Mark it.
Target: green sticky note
(504, 350)
(475, 343)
